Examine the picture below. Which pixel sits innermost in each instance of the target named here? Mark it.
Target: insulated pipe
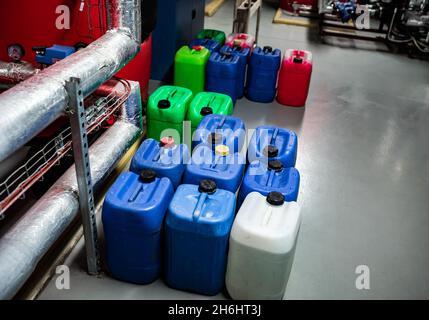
(25, 243)
(122, 15)
(32, 105)
(14, 72)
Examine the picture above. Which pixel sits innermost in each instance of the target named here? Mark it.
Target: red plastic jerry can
(292, 5)
(294, 78)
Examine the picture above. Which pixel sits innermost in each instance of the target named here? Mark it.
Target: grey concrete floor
(364, 163)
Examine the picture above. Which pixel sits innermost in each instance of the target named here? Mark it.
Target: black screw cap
(271, 151)
(275, 198)
(268, 49)
(206, 111)
(297, 60)
(164, 104)
(275, 165)
(147, 175)
(207, 186)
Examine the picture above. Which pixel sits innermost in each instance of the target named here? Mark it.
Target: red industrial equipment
(33, 23)
(25, 24)
(294, 5)
(138, 69)
(294, 78)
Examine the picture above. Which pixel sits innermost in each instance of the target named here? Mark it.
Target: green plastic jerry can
(216, 35)
(190, 68)
(206, 103)
(166, 112)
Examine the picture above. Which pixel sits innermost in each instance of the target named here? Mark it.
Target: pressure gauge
(15, 52)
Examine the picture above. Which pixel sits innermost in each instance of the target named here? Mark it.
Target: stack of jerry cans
(166, 112)
(224, 74)
(211, 45)
(243, 55)
(264, 178)
(206, 103)
(219, 165)
(220, 130)
(262, 247)
(262, 74)
(198, 225)
(242, 40)
(272, 143)
(190, 68)
(294, 78)
(216, 35)
(166, 158)
(133, 215)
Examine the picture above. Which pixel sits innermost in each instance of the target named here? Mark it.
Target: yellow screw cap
(222, 150)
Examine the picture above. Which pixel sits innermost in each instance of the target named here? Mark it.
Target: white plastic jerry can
(262, 247)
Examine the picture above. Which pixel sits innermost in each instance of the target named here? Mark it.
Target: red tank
(138, 69)
(294, 78)
(32, 23)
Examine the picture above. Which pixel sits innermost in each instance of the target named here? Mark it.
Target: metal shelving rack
(244, 10)
(14, 186)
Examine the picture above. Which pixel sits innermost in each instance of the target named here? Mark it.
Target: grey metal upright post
(243, 11)
(78, 124)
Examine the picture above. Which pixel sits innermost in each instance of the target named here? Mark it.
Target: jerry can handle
(171, 94)
(274, 136)
(135, 194)
(222, 122)
(211, 101)
(226, 55)
(198, 208)
(270, 179)
(215, 161)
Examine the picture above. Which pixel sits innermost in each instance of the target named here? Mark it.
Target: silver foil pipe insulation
(15, 72)
(125, 15)
(25, 243)
(33, 104)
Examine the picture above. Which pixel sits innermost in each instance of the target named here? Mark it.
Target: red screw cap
(167, 142)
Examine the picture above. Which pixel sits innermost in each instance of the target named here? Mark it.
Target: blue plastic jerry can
(217, 129)
(272, 143)
(262, 74)
(224, 74)
(243, 55)
(211, 45)
(133, 215)
(219, 165)
(165, 157)
(263, 178)
(198, 225)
